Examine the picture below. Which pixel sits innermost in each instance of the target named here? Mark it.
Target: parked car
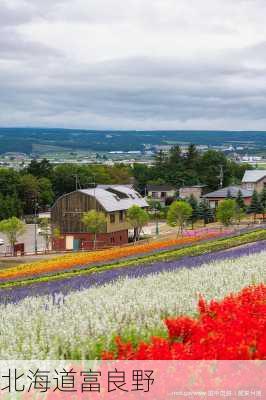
(1, 242)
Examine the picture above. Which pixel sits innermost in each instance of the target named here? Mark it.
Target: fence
(221, 232)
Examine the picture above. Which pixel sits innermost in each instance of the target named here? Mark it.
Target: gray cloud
(95, 73)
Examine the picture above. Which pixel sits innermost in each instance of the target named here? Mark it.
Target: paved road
(27, 239)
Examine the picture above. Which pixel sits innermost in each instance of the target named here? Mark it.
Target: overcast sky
(133, 64)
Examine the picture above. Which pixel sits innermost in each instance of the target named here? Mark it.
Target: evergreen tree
(192, 157)
(205, 212)
(175, 167)
(255, 206)
(240, 201)
(40, 169)
(191, 162)
(263, 202)
(229, 194)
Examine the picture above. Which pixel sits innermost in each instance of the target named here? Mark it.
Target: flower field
(83, 324)
(233, 329)
(75, 260)
(84, 281)
(152, 251)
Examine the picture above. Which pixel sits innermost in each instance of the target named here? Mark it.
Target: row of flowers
(74, 260)
(232, 329)
(80, 325)
(85, 281)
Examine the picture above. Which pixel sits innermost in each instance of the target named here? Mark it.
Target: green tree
(178, 214)
(94, 222)
(195, 210)
(192, 157)
(40, 169)
(10, 206)
(9, 181)
(229, 194)
(44, 224)
(191, 163)
(205, 212)
(28, 192)
(120, 173)
(210, 168)
(176, 167)
(263, 202)
(239, 214)
(160, 168)
(137, 218)
(46, 194)
(56, 234)
(12, 228)
(240, 200)
(237, 170)
(255, 205)
(142, 175)
(154, 205)
(226, 212)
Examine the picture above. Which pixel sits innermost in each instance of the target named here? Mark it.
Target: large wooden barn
(113, 200)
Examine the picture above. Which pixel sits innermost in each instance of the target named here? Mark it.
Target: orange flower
(70, 261)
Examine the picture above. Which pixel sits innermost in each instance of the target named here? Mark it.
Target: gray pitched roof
(254, 175)
(160, 188)
(111, 201)
(222, 193)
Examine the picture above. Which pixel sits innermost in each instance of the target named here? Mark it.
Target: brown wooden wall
(68, 210)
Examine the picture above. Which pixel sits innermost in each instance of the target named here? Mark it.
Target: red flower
(232, 329)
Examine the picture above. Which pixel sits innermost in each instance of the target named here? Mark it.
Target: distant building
(113, 200)
(254, 180)
(218, 196)
(160, 192)
(196, 190)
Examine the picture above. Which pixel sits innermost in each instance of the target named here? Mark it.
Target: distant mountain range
(41, 140)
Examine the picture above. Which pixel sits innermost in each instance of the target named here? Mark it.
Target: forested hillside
(29, 140)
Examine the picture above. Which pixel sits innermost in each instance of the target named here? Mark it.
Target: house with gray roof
(219, 195)
(161, 192)
(112, 200)
(254, 180)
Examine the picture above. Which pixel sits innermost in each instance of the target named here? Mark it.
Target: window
(112, 218)
(250, 186)
(121, 216)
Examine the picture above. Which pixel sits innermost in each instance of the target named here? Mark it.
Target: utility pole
(77, 181)
(36, 205)
(157, 224)
(221, 176)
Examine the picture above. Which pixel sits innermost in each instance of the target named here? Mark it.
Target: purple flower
(78, 282)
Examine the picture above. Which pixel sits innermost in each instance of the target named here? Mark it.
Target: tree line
(191, 168)
(39, 184)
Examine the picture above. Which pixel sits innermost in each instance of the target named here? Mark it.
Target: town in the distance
(56, 196)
